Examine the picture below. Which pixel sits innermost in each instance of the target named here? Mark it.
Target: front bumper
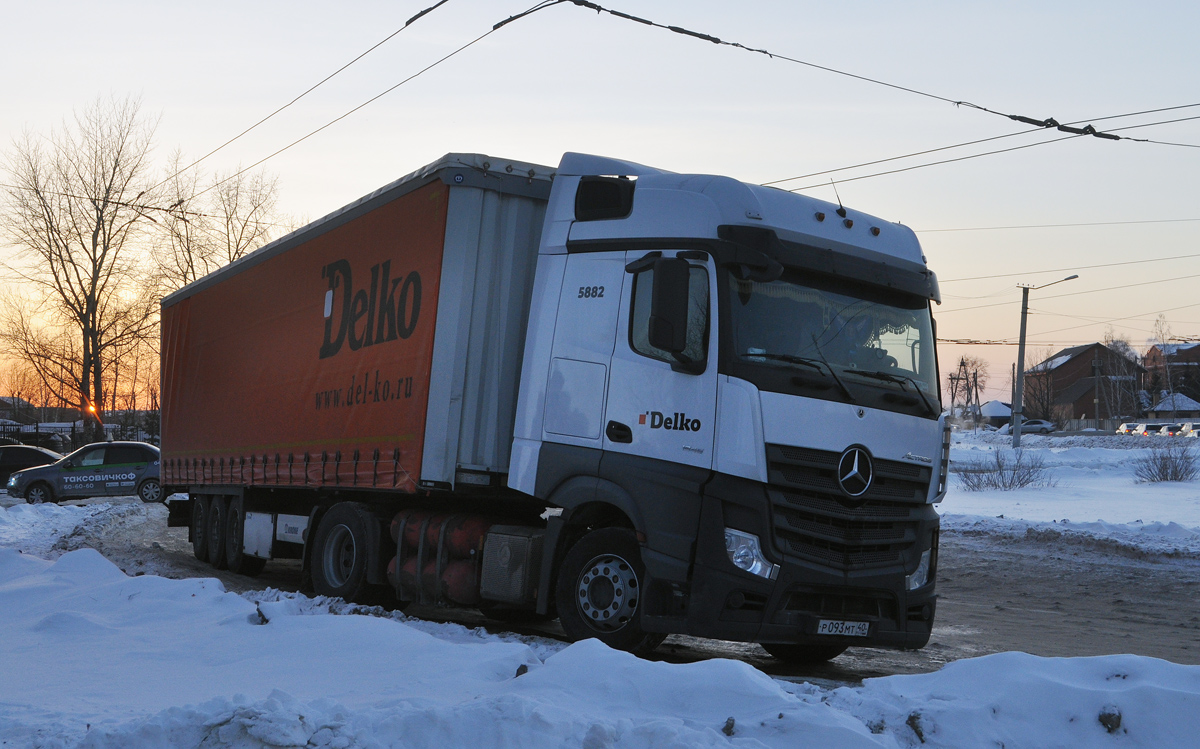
(859, 582)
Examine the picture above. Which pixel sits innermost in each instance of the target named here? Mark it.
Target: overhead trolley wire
(312, 88)
(971, 143)
(1043, 123)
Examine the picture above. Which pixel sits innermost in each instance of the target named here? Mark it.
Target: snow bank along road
(1092, 566)
(95, 658)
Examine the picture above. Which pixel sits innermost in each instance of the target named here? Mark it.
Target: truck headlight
(921, 576)
(746, 554)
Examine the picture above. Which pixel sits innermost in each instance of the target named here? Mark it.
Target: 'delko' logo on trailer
(678, 422)
(385, 310)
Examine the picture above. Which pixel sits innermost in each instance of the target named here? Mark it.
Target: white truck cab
(749, 377)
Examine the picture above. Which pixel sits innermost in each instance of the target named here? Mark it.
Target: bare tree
(1120, 384)
(75, 211)
(207, 228)
(1038, 399)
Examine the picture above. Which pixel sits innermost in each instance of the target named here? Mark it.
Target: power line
(1078, 293)
(1046, 123)
(427, 68)
(970, 143)
(990, 153)
(314, 87)
(1056, 226)
(1075, 267)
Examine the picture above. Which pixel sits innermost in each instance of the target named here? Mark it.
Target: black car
(103, 469)
(17, 457)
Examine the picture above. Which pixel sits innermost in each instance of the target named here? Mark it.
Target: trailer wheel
(218, 513)
(599, 591)
(235, 556)
(339, 558)
(200, 527)
(804, 655)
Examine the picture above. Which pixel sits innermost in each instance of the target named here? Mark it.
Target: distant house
(16, 409)
(1083, 382)
(996, 413)
(1174, 367)
(1176, 407)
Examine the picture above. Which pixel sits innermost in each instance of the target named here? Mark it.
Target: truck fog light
(921, 576)
(746, 554)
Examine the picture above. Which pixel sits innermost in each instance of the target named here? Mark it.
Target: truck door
(658, 406)
(586, 327)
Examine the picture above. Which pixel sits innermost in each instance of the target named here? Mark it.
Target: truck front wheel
(339, 558)
(599, 591)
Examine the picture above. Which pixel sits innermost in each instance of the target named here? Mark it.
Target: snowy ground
(92, 657)
(1095, 495)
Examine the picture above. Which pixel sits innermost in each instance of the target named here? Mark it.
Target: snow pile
(93, 658)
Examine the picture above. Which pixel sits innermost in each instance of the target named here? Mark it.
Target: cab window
(120, 454)
(697, 324)
(93, 457)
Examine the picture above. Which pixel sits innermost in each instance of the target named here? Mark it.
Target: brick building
(1174, 367)
(1083, 382)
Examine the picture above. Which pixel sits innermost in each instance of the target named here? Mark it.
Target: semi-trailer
(639, 401)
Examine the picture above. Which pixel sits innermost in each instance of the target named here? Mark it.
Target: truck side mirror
(669, 305)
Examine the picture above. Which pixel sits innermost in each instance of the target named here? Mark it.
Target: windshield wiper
(902, 380)
(815, 364)
(834, 374)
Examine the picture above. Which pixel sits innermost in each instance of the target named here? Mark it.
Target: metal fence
(63, 438)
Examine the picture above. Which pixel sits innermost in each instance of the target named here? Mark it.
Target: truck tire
(339, 557)
(200, 527)
(218, 514)
(804, 655)
(39, 492)
(599, 591)
(235, 557)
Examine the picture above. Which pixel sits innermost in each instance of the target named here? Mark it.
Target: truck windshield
(843, 327)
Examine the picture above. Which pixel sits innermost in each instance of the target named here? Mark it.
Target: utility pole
(1020, 391)
(1096, 391)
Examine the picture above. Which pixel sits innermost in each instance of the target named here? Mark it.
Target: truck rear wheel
(339, 558)
(804, 655)
(235, 556)
(599, 591)
(200, 527)
(218, 513)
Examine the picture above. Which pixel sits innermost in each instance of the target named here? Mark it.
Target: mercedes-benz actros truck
(638, 401)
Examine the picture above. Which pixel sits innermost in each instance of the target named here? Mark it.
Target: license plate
(845, 629)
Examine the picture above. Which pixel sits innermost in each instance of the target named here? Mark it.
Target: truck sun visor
(913, 279)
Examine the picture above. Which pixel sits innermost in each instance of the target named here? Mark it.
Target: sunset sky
(569, 79)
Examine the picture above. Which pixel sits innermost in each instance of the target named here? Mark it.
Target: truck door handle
(618, 432)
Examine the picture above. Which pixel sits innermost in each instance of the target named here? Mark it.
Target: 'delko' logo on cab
(678, 422)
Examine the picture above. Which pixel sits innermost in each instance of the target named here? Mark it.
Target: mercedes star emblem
(855, 471)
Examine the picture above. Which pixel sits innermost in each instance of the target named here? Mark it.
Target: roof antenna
(841, 211)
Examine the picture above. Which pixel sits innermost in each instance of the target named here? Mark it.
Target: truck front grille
(811, 519)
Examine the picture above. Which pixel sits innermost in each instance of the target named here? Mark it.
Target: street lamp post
(1019, 396)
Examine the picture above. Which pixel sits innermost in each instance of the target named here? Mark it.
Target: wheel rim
(339, 556)
(36, 496)
(151, 491)
(607, 593)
